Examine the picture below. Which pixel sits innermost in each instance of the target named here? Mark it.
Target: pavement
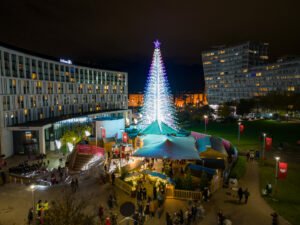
(16, 199)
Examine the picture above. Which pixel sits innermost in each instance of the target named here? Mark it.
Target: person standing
(246, 193)
(240, 194)
(113, 178)
(154, 192)
(144, 194)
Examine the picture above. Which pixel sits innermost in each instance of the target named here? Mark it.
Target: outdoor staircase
(79, 161)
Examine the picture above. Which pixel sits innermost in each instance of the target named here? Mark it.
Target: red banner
(206, 120)
(103, 133)
(268, 143)
(282, 170)
(242, 128)
(124, 137)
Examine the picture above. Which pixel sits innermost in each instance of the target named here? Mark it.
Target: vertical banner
(103, 133)
(268, 143)
(282, 170)
(242, 128)
(124, 137)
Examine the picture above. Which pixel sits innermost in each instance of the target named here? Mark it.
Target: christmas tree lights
(158, 104)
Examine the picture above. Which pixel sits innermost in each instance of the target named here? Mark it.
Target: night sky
(119, 34)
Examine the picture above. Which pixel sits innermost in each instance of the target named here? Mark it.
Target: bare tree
(69, 211)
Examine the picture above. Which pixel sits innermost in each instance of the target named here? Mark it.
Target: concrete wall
(7, 142)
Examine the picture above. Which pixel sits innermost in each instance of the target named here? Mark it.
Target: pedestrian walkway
(256, 211)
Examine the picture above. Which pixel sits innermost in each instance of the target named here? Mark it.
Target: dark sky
(119, 34)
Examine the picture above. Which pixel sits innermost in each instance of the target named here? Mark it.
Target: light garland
(158, 104)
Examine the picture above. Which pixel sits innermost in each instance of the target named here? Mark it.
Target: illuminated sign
(65, 61)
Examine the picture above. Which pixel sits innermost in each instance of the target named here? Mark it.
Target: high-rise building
(36, 92)
(225, 68)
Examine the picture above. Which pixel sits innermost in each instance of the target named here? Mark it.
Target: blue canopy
(203, 143)
(168, 147)
(201, 168)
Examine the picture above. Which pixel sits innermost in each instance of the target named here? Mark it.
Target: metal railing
(123, 186)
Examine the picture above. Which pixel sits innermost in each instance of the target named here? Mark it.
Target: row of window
(25, 115)
(13, 102)
(21, 86)
(25, 66)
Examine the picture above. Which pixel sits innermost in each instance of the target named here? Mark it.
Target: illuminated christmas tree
(158, 104)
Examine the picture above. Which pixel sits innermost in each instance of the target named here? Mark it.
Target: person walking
(240, 194)
(101, 213)
(220, 218)
(30, 216)
(246, 194)
(274, 218)
(107, 221)
(76, 184)
(168, 219)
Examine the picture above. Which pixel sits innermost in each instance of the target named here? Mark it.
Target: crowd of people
(190, 216)
(38, 215)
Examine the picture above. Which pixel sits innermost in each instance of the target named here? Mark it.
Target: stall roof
(168, 147)
(158, 128)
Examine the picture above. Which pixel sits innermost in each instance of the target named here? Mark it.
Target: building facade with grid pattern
(34, 88)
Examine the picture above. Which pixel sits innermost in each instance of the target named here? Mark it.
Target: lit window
(59, 107)
(257, 84)
(222, 73)
(245, 70)
(33, 76)
(264, 57)
(258, 74)
(207, 63)
(291, 88)
(222, 52)
(222, 60)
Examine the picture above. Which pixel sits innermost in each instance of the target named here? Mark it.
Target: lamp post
(205, 121)
(277, 158)
(32, 187)
(264, 145)
(239, 132)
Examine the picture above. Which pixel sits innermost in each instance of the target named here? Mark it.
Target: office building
(225, 69)
(38, 94)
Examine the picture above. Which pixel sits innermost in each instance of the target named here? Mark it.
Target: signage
(65, 61)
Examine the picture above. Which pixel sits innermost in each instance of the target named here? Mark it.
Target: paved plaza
(16, 199)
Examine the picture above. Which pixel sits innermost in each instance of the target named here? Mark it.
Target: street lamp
(263, 147)
(205, 122)
(87, 133)
(32, 187)
(277, 158)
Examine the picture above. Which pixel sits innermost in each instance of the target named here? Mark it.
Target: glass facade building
(34, 88)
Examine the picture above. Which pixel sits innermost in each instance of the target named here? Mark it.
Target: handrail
(123, 186)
